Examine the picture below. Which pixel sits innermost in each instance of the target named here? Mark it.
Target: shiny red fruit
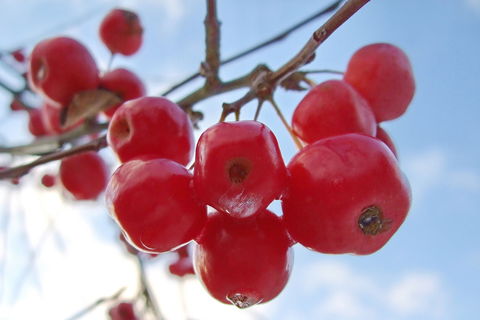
(35, 123)
(385, 138)
(84, 175)
(154, 204)
(346, 195)
(149, 128)
(332, 108)
(122, 311)
(244, 261)
(383, 75)
(239, 168)
(61, 67)
(125, 84)
(181, 267)
(122, 32)
(48, 180)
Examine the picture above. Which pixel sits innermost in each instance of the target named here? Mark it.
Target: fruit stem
(295, 139)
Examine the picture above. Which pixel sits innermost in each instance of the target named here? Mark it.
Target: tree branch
(210, 66)
(21, 170)
(261, 45)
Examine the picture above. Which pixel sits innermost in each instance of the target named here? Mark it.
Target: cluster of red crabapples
(59, 70)
(342, 193)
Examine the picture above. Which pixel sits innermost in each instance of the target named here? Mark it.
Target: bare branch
(318, 37)
(95, 304)
(210, 67)
(21, 170)
(261, 45)
(51, 144)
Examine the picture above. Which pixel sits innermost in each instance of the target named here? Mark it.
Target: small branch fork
(261, 81)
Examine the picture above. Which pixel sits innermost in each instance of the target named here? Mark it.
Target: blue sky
(429, 270)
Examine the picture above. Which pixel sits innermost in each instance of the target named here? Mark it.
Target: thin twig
(317, 38)
(273, 79)
(146, 291)
(295, 139)
(51, 144)
(212, 45)
(276, 38)
(21, 170)
(95, 304)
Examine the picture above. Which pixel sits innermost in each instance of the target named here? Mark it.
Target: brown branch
(268, 84)
(276, 38)
(210, 66)
(21, 170)
(318, 37)
(204, 92)
(51, 144)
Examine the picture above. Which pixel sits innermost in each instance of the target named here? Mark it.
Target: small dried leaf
(87, 104)
(293, 82)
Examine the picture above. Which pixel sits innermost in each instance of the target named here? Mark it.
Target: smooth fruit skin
(51, 120)
(383, 136)
(337, 185)
(125, 84)
(151, 127)
(243, 261)
(122, 311)
(84, 175)
(383, 75)
(122, 32)
(59, 68)
(35, 123)
(332, 108)
(154, 204)
(239, 168)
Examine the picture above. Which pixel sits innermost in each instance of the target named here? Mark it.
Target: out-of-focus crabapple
(84, 175)
(59, 68)
(122, 32)
(383, 75)
(125, 84)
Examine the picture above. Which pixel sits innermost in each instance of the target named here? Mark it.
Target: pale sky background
(430, 268)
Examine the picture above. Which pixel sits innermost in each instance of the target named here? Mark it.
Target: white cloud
(418, 293)
(433, 168)
(346, 293)
(474, 4)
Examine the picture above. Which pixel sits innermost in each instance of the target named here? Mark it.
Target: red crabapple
(385, 138)
(51, 119)
(154, 204)
(382, 74)
(48, 180)
(121, 32)
(84, 175)
(239, 168)
(123, 83)
(346, 195)
(151, 127)
(16, 105)
(35, 123)
(61, 67)
(332, 108)
(243, 261)
(122, 311)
